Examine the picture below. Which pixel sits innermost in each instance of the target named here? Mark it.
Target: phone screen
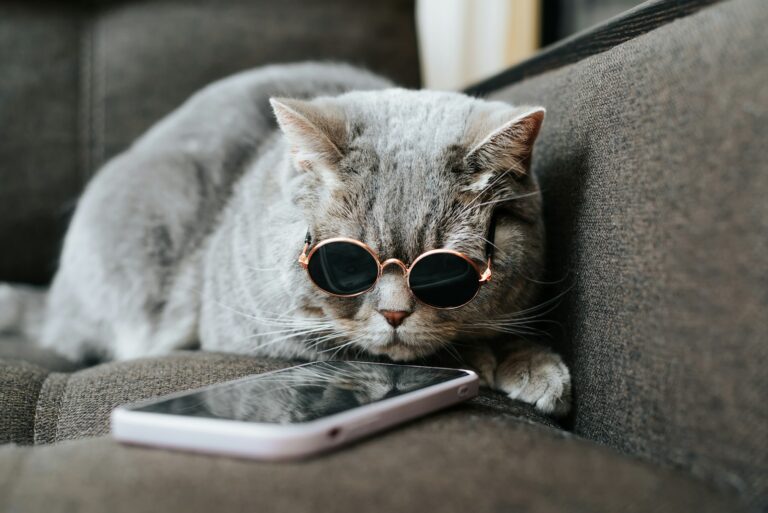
(304, 393)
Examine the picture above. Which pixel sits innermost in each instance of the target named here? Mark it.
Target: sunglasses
(440, 278)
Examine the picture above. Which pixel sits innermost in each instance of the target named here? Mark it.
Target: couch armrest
(652, 163)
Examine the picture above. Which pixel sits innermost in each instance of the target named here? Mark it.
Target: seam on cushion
(31, 439)
(33, 370)
(48, 410)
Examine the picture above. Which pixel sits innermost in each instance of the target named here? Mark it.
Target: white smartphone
(293, 412)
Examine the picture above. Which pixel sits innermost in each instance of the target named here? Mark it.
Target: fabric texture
(458, 460)
(76, 405)
(652, 162)
(40, 173)
(20, 385)
(104, 72)
(489, 454)
(58, 406)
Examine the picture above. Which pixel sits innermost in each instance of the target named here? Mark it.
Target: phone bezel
(283, 441)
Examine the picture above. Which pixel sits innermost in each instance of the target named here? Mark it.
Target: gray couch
(652, 162)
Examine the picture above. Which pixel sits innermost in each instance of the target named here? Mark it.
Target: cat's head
(410, 171)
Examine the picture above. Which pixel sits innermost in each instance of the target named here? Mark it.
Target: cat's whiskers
(293, 334)
(262, 269)
(286, 334)
(544, 282)
(443, 343)
(337, 349)
(284, 319)
(479, 328)
(234, 310)
(296, 330)
(520, 322)
(315, 343)
(473, 235)
(551, 304)
(505, 199)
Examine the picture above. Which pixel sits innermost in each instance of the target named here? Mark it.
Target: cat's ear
(315, 133)
(508, 147)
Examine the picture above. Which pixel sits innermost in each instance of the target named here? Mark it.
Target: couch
(652, 163)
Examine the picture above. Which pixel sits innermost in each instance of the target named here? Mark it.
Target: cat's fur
(191, 236)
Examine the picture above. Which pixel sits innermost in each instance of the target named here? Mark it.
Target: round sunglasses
(440, 278)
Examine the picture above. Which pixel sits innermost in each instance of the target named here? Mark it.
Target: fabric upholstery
(59, 406)
(40, 174)
(82, 80)
(652, 162)
(453, 461)
(489, 454)
(76, 405)
(20, 384)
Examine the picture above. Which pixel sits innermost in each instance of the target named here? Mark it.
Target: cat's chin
(397, 352)
(398, 348)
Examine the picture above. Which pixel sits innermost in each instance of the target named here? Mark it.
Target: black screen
(304, 393)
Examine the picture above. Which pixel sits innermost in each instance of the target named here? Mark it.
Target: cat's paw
(537, 376)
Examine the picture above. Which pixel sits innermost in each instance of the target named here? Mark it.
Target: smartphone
(294, 412)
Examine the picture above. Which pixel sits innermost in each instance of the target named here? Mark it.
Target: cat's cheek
(346, 308)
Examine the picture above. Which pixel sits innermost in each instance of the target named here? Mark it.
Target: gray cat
(190, 238)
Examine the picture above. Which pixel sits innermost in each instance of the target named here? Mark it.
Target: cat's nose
(395, 317)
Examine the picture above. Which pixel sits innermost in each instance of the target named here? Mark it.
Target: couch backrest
(653, 162)
(81, 80)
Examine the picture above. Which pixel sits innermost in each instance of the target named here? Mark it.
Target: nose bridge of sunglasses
(396, 262)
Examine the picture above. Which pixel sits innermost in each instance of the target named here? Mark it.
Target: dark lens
(343, 268)
(444, 280)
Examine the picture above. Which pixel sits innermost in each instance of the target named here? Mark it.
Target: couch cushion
(488, 454)
(20, 384)
(64, 406)
(78, 404)
(652, 162)
(455, 460)
(40, 171)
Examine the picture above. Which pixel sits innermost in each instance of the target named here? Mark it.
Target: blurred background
(463, 41)
(82, 79)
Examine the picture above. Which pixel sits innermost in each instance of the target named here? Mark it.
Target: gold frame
(484, 276)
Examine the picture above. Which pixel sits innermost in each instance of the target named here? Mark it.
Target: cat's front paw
(537, 376)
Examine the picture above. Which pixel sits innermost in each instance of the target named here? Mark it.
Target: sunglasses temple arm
(303, 257)
(486, 276)
(489, 240)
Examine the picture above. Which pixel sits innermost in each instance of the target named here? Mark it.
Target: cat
(190, 238)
